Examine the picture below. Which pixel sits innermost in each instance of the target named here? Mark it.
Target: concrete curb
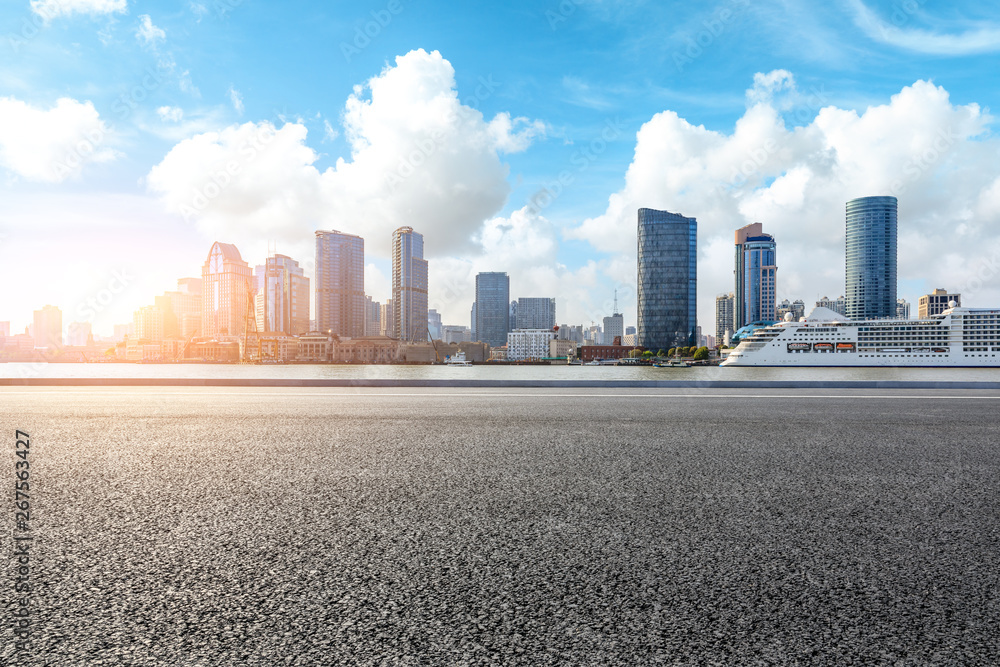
(540, 384)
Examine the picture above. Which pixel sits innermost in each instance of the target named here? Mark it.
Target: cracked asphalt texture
(531, 527)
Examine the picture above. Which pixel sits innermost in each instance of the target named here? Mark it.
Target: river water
(490, 372)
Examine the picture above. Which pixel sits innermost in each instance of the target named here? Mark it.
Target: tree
(661, 353)
(647, 354)
(701, 354)
(671, 351)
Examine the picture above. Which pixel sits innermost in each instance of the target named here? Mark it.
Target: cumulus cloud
(148, 34)
(419, 157)
(51, 145)
(50, 9)
(937, 157)
(768, 86)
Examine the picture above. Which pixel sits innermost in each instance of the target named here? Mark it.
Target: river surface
(489, 372)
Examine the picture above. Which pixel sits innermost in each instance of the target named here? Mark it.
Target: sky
(516, 136)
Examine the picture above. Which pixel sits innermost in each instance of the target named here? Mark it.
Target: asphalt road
(534, 527)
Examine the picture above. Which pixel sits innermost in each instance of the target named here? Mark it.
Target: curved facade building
(225, 292)
(871, 258)
(668, 280)
(756, 275)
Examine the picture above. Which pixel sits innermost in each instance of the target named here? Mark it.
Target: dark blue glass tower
(871, 258)
(492, 308)
(668, 280)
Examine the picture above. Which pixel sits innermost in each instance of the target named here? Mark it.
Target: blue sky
(544, 91)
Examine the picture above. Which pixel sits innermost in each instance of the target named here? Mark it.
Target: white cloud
(236, 99)
(329, 133)
(766, 87)
(148, 34)
(50, 9)
(198, 9)
(938, 158)
(419, 157)
(984, 38)
(51, 145)
(171, 114)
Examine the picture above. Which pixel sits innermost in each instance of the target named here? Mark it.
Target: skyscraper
(668, 279)
(225, 281)
(340, 283)
(493, 308)
(756, 273)
(434, 324)
(936, 303)
(534, 313)
(282, 298)
(373, 317)
(409, 285)
(47, 329)
(387, 319)
(614, 328)
(724, 306)
(871, 258)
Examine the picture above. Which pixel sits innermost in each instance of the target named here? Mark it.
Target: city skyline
(500, 159)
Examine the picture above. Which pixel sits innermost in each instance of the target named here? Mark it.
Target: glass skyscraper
(871, 258)
(492, 314)
(409, 285)
(668, 280)
(340, 283)
(756, 275)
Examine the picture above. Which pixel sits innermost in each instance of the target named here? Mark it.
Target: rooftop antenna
(615, 311)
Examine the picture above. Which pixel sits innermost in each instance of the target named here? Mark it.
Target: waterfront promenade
(512, 525)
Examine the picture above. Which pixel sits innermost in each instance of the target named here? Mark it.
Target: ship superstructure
(958, 337)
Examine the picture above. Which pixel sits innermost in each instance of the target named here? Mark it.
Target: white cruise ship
(958, 337)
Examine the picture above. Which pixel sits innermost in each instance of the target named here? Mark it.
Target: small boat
(673, 363)
(457, 359)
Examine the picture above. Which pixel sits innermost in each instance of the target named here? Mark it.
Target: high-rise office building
(340, 283)
(756, 275)
(534, 313)
(373, 317)
(282, 298)
(871, 258)
(493, 308)
(614, 329)
(387, 319)
(47, 330)
(472, 328)
(936, 303)
(434, 324)
(902, 309)
(838, 305)
(148, 323)
(668, 279)
(725, 304)
(185, 307)
(225, 282)
(512, 321)
(409, 285)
